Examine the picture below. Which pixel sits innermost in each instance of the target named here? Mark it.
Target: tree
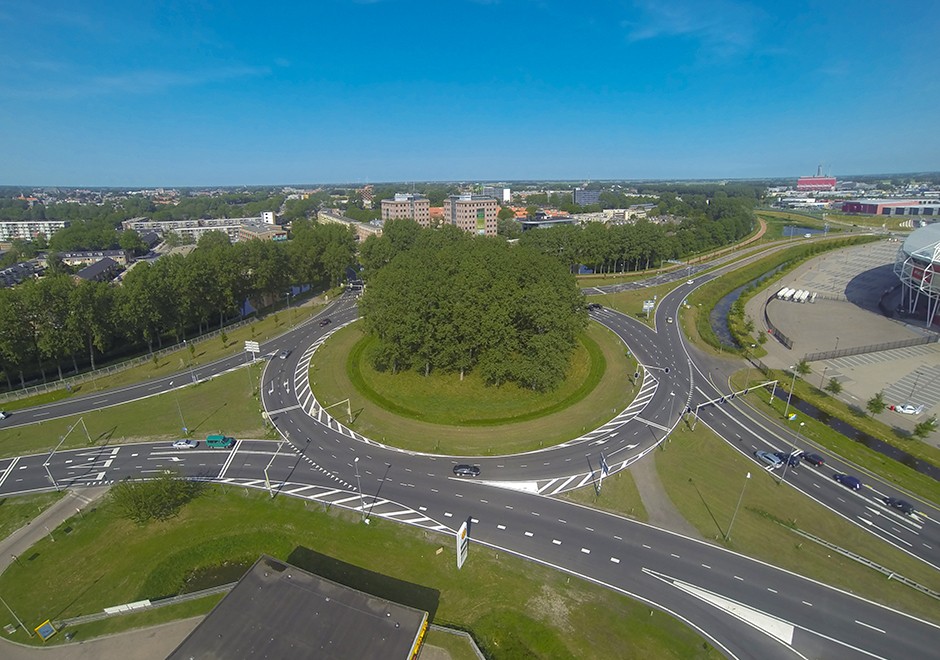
(833, 386)
(505, 213)
(876, 404)
(802, 367)
(158, 499)
(925, 428)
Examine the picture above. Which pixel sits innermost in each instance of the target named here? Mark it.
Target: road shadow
(370, 582)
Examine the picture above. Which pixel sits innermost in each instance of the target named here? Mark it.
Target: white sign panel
(463, 543)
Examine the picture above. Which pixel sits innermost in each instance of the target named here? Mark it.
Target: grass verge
(704, 478)
(512, 607)
(331, 383)
(619, 494)
(222, 404)
(16, 512)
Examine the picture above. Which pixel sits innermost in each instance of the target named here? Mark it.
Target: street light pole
(18, 620)
(362, 502)
(179, 409)
(267, 481)
(49, 460)
(792, 385)
(738, 506)
(290, 314)
(189, 359)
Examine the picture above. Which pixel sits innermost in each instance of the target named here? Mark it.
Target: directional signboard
(463, 543)
(252, 347)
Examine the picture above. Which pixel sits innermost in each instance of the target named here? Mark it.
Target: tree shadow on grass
(377, 584)
(78, 596)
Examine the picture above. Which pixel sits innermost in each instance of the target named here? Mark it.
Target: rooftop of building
(921, 239)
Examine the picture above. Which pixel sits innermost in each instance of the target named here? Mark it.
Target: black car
(594, 306)
(812, 459)
(466, 470)
(847, 480)
(903, 506)
(324, 322)
(792, 459)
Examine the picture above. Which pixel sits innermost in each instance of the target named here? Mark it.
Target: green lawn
(618, 494)
(222, 404)
(331, 383)
(704, 478)
(513, 608)
(15, 512)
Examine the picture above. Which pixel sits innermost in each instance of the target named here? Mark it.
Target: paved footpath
(143, 644)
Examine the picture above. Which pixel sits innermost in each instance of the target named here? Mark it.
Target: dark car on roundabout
(466, 470)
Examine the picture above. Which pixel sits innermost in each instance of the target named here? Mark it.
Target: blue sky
(229, 93)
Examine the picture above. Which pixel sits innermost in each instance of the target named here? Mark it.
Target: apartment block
(472, 213)
(407, 205)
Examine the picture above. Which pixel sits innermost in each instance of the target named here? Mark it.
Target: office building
(584, 197)
(472, 213)
(407, 205)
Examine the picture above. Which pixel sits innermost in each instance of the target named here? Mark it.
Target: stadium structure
(817, 183)
(917, 263)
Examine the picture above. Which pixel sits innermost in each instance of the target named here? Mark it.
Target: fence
(874, 348)
(782, 338)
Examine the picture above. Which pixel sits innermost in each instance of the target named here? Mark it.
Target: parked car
(848, 481)
(792, 459)
(467, 470)
(908, 409)
(324, 322)
(903, 506)
(4, 414)
(812, 459)
(185, 444)
(768, 458)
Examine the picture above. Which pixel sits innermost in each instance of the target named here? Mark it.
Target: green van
(219, 441)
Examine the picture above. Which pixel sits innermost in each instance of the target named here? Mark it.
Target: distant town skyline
(381, 91)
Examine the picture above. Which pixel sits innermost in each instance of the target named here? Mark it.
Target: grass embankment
(820, 432)
(227, 404)
(515, 419)
(704, 477)
(618, 494)
(16, 512)
(513, 608)
(203, 352)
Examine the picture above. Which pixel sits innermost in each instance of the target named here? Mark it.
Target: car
(283, 354)
(847, 480)
(769, 458)
(466, 471)
(324, 322)
(668, 319)
(4, 414)
(185, 444)
(909, 409)
(594, 306)
(903, 506)
(792, 459)
(812, 459)
(690, 281)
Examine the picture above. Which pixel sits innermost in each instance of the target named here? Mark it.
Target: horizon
(376, 91)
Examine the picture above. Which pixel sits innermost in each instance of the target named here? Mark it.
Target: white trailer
(789, 294)
(781, 292)
(804, 297)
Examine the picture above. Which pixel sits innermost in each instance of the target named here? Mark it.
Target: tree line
(57, 321)
(443, 300)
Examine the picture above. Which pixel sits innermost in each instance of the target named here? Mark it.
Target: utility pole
(735, 514)
(362, 502)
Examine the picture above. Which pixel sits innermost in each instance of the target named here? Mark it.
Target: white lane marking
(500, 526)
(448, 514)
(739, 578)
(615, 560)
(862, 623)
(675, 555)
(773, 591)
(807, 603)
(647, 547)
(585, 551)
(619, 538)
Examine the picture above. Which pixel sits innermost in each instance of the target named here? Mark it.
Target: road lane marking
(862, 623)
(706, 566)
(528, 533)
(647, 547)
(739, 578)
(807, 603)
(448, 514)
(773, 591)
(585, 551)
(615, 560)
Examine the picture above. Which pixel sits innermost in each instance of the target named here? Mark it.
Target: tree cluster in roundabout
(443, 300)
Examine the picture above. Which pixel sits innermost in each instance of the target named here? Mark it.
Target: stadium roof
(925, 237)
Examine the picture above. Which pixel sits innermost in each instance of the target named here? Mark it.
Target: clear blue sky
(227, 93)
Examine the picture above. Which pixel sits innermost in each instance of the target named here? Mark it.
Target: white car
(690, 281)
(909, 409)
(4, 414)
(185, 444)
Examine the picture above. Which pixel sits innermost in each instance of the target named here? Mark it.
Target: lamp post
(179, 410)
(28, 631)
(362, 502)
(823, 379)
(672, 406)
(290, 314)
(189, 360)
(738, 506)
(792, 385)
(837, 346)
(783, 477)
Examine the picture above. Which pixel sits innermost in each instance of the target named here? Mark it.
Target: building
(261, 231)
(407, 205)
(87, 257)
(502, 195)
(472, 213)
(190, 230)
(28, 230)
(818, 182)
(268, 217)
(362, 229)
(278, 610)
(910, 207)
(584, 197)
(12, 275)
(103, 270)
(917, 262)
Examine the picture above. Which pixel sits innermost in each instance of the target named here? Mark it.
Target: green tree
(802, 367)
(876, 404)
(833, 386)
(925, 428)
(157, 499)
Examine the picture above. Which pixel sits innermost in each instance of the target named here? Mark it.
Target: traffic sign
(463, 544)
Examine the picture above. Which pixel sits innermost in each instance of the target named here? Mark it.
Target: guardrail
(870, 564)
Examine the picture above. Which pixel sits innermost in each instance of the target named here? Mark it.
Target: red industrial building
(816, 183)
(928, 207)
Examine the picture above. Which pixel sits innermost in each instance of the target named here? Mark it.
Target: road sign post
(463, 544)
(252, 347)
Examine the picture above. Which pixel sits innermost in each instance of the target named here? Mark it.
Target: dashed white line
(647, 547)
(773, 591)
(619, 538)
(807, 603)
(585, 551)
(675, 555)
(528, 533)
(615, 560)
(563, 522)
(535, 514)
(448, 514)
(862, 623)
(590, 529)
(739, 578)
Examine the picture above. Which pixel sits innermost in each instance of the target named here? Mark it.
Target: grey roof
(98, 269)
(922, 238)
(280, 611)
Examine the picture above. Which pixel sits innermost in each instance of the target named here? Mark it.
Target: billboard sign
(481, 221)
